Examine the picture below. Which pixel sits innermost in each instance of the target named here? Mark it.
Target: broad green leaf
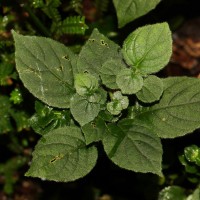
(151, 90)
(178, 111)
(109, 71)
(133, 147)
(85, 84)
(97, 50)
(129, 10)
(62, 155)
(129, 82)
(82, 110)
(148, 49)
(45, 68)
(195, 195)
(172, 193)
(94, 130)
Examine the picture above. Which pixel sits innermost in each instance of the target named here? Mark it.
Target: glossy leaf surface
(46, 118)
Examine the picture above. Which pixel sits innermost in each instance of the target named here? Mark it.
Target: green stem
(37, 22)
(110, 95)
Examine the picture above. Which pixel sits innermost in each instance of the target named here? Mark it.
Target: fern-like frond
(51, 10)
(73, 25)
(49, 7)
(53, 3)
(52, 13)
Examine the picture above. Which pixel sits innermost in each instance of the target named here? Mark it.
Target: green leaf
(109, 72)
(118, 103)
(151, 90)
(122, 99)
(129, 82)
(114, 107)
(192, 153)
(45, 67)
(133, 147)
(46, 118)
(178, 111)
(85, 84)
(100, 96)
(195, 195)
(62, 155)
(72, 25)
(16, 96)
(94, 131)
(172, 193)
(106, 116)
(97, 50)
(148, 49)
(132, 9)
(21, 119)
(189, 167)
(82, 110)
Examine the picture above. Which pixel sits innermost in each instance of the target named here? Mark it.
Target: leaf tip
(14, 33)
(27, 174)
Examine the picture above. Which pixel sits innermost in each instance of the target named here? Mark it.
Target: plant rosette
(108, 94)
